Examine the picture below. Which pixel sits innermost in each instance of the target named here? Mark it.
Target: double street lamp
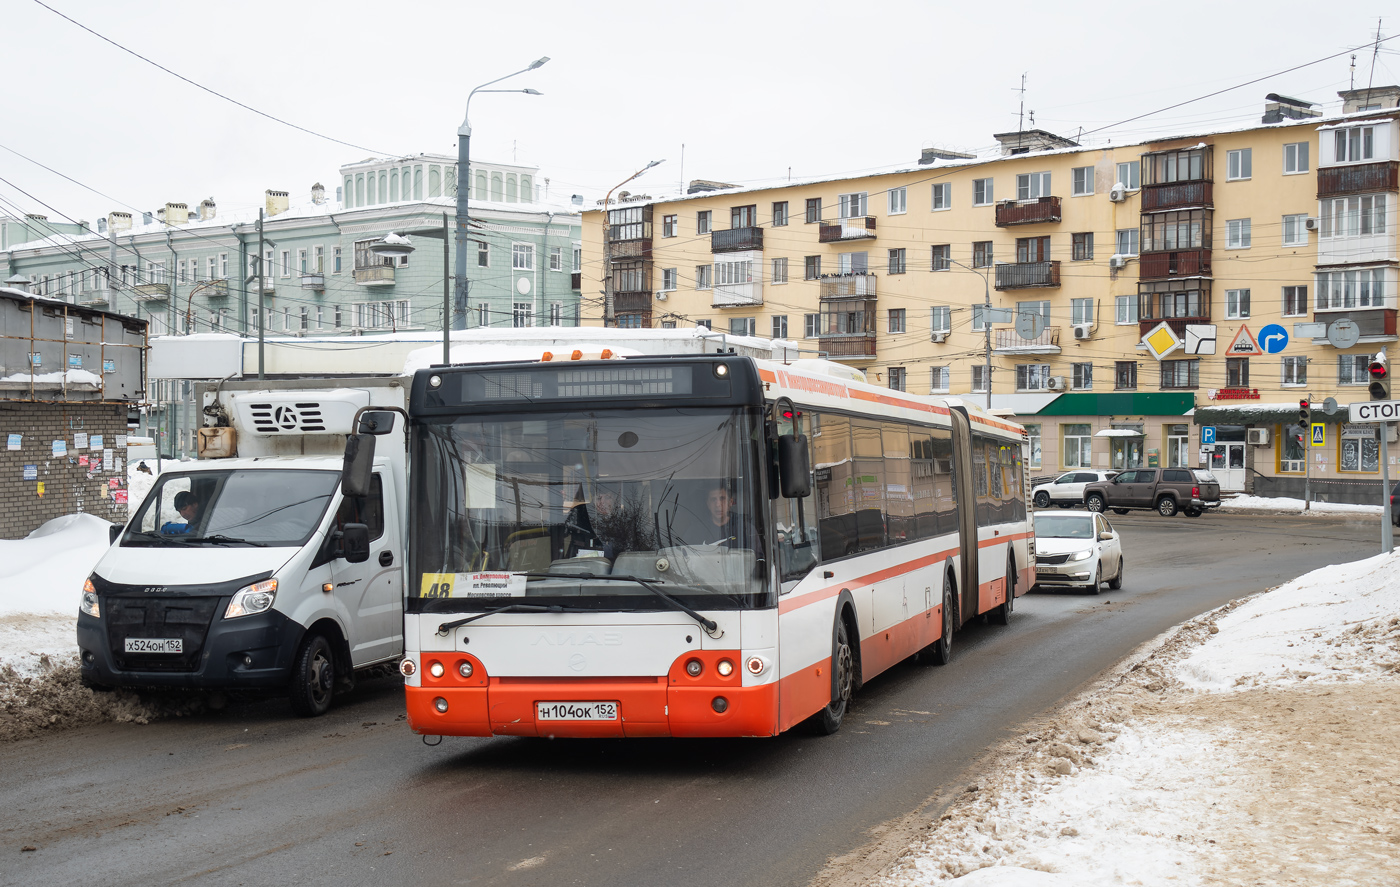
(986, 323)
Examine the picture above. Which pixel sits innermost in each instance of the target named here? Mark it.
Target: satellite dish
(1329, 406)
(1029, 325)
(1343, 333)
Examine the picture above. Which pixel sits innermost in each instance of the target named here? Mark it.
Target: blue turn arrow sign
(1273, 338)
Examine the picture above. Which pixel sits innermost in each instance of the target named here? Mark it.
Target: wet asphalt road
(252, 796)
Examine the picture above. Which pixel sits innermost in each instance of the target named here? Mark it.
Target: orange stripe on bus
(767, 376)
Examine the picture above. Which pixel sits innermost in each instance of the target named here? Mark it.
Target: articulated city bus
(699, 545)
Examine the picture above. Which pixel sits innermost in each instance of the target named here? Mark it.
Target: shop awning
(1119, 432)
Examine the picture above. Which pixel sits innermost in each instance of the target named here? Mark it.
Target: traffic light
(1380, 377)
(1304, 413)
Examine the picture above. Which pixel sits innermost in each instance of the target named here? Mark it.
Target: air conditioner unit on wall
(1117, 261)
(1083, 330)
(1118, 195)
(940, 338)
(1057, 383)
(1311, 224)
(1258, 437)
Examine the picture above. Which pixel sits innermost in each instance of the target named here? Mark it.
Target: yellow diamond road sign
(1161, 340)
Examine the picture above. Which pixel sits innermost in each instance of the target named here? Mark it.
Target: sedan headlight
(90, 603)
(1082, 555)
(252, 599)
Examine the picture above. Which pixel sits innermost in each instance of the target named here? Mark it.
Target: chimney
(206, 209)
(101, 226)
(318, 194)
(276, 202)
(117, 222)
(84, 224)
(35, 217)
(1281, 107)
(160, 214)
(177, 214)
(929, 155)
(1028, 140)
(147, 219)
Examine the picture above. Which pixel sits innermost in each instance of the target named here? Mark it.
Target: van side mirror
(376, 422)
(355, 474)
(354, 542)
(794, 470)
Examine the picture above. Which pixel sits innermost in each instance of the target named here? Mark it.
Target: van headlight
(1082, 555)
(252, 599)
(90, 604)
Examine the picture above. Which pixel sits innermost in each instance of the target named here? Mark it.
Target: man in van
(188, 507)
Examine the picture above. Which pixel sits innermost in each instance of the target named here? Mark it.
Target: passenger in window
(724, 527)
(584, 540)
(188, 507)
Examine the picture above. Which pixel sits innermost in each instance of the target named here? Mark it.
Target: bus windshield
(531, 508)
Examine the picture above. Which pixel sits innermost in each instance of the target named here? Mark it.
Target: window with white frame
(899, 201)
(1355, 288)
(1237, 234)
(483, 314)
(556, 258)
(183, 275)
(305, 317)
(1039, 306)
(897, 377)
(522, 314)
(1033, 446)
(981, 379)
(1295, 229)
(578, 258)
(483, 254)
(669, 276)
(780, 271)
(1078, 450)
(336, 260)
(938, 379)
(391, 314)
(1295, 301)
(668, 226)
(1033, 377)
(1129, 175)
(556, 313)
(940, 319)
(733, 273)
(1354, 144)
(942, 196)
(1295, 158)
(1352, 369)
(302, 267)
(851, 205)
(286, 263)
(702, 277)
(1081, 181)
(979, 318)
(743, 326)
(811, 326)
(897, 261)
(1126, 242)
(1295, 370)
(1032, 185)
(780, 326)
(1178, 446)
(941, 257)
(223, 265)
(1082, 376)
(522, 256)
(1236, 304)
(1353, 216)
(1239, 164)
(1081, 311)
(1125, 309)
(702, 222)
(982, 192)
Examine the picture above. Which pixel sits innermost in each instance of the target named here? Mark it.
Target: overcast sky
(752, 90)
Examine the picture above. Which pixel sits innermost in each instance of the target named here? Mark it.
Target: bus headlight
(435, 669)
(89, 604)
(251, 599)
(464, 668)
(693, 668)
(725, 668)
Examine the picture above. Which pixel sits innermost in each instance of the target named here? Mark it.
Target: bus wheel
(941, 650)
(843, 667)
(1002, 614)
(313, 677)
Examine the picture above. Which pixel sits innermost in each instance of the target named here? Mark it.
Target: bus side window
(799, 539)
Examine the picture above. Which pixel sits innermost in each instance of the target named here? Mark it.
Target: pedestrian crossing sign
(1319, 434)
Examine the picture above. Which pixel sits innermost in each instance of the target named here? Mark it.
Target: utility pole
(609, 313)
(262, 295)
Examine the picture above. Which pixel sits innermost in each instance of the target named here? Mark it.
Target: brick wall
(68, 486)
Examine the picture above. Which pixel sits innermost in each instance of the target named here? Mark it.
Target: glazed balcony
(1176, 195)
(1007, 341)
(736, 240)
(857, 228)
(1177, 263)
(1334, 181)
(1374, 324)
(375, 275)
(630, 249)
(848, 346)
(1027, 275)
(1028, 212)
(632, 302)
(1178, 325)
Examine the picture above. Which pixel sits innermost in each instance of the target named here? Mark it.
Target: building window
(522, 257)
(1237, 372)
(897, 378)
(899, 201)
(1295, 301)
(1351, 369)
(811, 326)
(286, 263)
(1032, 185)
(1236, 304)
(523, 314)
(812, 267)
(1351, 216)
(305, 317)
(629, 321)
(851, 205)
(556, 258)
(1181, 373)
(335, 260)
(1079, 445)
(1295, 371)
(578, 259)
(814, 210)
(668, 324)
(1125, 375)
(982, 194)
(556, 313)
(1081, 311)
(743, 216)
(780, 326)
(302, 267)
(1354, 145)
(780, 213)
(1082, 376)
(668, 279)
(982, 254)
(979, 318)
(1295, 158)
(742, 326)
(702, 222)
(1126, 242)
(897, 264)
(386, 315)
(941, 319)
(780, 271)
(1033, 445)
(1082, 246)
(896, 320)
(631, 277)
(1178, 446)
(1295, 231)
(938, 380)
(706, 323)
(1362, 288)
(483, 254)
(668, 226)
(1129, 175)
(1125, 309)
(1360, 449)
(941, 257)
(942, 196)
(1081, 181)
(981, 379)
(1239, 164)
(702, 277)
(1237, 234)
(1033, 377)
(1032, 249)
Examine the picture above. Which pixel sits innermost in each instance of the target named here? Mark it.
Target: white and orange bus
(700, 545)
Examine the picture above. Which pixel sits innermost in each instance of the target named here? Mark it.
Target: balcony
(1179, 263)
(375, 275)
(1334, 181)
(151, 292)
(1178, 325)
(846, 286)
(632, 302)
(1176, 195)
(737, 295)
(1007, 341)
(630, 249)
(313, 282)
(1028, 212)
(95, 298)
(214, 289)
(736, 239)
(847, 346)
(1026, 275)
(857, 228)
(1375, 324)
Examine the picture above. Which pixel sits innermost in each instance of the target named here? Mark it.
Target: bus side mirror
(359, 465)
(354, 541)
(794, 471)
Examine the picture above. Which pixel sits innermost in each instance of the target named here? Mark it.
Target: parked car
(1077, 550)
(1068, 489)
(1164, 490)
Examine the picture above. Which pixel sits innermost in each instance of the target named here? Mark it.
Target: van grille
(186, 618)
(287, 418)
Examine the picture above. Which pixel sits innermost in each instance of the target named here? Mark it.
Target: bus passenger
(724, 527)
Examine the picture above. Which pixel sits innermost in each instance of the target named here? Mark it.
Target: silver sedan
(1077, 550)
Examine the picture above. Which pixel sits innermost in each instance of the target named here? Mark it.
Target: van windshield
(242, 507)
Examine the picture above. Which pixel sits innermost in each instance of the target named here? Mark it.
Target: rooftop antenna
(1021, 114)
(1375, 53)
(1353, 72)
(682, 167)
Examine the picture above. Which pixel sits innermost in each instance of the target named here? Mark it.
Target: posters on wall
(15, 441)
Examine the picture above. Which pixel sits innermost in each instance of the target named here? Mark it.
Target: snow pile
(44, 572)
(138, 482)
(1284, 503)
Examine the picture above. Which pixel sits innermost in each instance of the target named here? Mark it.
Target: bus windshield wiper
(510, 608)
(219, 537)
(710, 625)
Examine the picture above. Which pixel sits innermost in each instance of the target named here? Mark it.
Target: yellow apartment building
(1163, 303)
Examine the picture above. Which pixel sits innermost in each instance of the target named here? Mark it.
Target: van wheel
(1166, 507)
(843, 668)
(1002, 614)
(1042, 499)
(1094, 502)
(313, 677)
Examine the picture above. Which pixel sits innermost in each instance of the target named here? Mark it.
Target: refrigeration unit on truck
(235, 573)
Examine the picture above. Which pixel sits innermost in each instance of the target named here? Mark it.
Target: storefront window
(1079, 446)
(1360, 449)
(1034, 432)
(1127, 451)
(1293, 457)
(1178, 447)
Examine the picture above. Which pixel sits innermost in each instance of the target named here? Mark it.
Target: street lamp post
(609, 314)
(464, 156)
(986, 323)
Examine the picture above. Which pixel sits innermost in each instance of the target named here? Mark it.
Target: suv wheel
(1166, 507)
(1042, 499)
(1094, 502)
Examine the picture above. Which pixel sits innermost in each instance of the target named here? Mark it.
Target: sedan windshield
(1064, 526)
(243, 507)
